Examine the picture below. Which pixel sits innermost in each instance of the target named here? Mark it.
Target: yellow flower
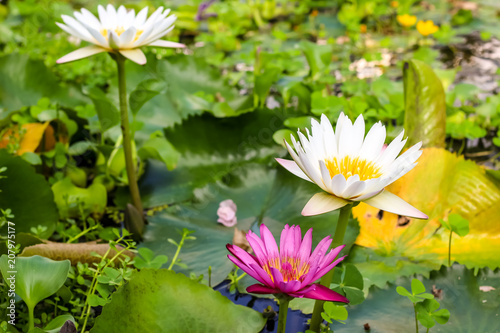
(406, 20)
(394, 4)
(427, 28)
(362, 28)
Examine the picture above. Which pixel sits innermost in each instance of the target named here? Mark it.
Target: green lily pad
(28, 195)
(473, 303)
(165, 301)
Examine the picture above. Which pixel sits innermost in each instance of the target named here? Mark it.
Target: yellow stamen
(119, 31)
(290, 268)
(350, 167)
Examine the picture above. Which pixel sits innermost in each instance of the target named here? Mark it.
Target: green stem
(283, 311)
(179, 246)
(416, 320)
(326, 280)
(127, 138)
(31, 322)
(449, 249)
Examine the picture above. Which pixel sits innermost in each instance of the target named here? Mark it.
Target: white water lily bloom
(118, 31)
(350, 167)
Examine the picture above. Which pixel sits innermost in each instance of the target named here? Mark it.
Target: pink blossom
(291, 269)
(227, 213)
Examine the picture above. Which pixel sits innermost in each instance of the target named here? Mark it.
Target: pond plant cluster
(249, 166)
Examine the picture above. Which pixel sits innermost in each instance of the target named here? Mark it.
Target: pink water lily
(291, 269)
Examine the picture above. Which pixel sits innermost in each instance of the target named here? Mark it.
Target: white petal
(99, 39)
(141, 17)
(113, 40)
(75, 25)
(373, 143)
(121, 15)
(145, 34)
(325, 175)
(103, 17)
(127, 36)
(392, 150)
(75, 33)
(293, 168)
(328, 137)
(354, 190)
(166, 43)
(156, 35)
(392, 203)
(339, 184)
(87, 22)
(90, 19)
(112, 19)
(136, 55)
(323, 203)
(81, 53)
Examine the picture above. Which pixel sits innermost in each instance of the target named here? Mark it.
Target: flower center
(291, 268)
(119, 31)
(348, 167)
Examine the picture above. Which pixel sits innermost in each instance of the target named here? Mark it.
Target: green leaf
(318, 57)
(36, 277)
(283, 134)
(472, 310)
(352, 277)
(188, 303)
(402, 291)
(458, 224)
(95, 300)
(417, 287)
(108, 114)
(55, 324)
(143, 93)
(69, 198)
(425, 105)
(263, 83)
(161, 149)
(23, 81)
(336, 312)
(425, 318)
(441, 316)
(28, 195)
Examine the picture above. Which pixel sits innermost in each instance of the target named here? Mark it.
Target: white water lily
(118, 31)
(350, 167)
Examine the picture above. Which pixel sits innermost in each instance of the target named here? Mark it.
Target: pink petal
(269, 242)
(260, 289)
(265, 278)
(257, 247)
(277, 276)
(293, 168)
(136, 55)
(283, 239)
(242, 255)
(320, 251)
(166, 43)
(84, 52)
(305, 247)
(325, 294)
(323, 203)
(290, 286)
(249, 270)
(392, 203)
(323, 270)
(331, 255)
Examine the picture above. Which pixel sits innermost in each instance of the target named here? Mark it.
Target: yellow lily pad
(441, 183)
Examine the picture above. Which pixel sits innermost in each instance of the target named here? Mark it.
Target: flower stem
(283, 311)
(127, 138)
(326, 280)
(31, 322)
(416, 320)
(449, 249)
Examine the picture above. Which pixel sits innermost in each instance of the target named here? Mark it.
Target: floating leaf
(425, 105)
(189, 306)
(72, 200)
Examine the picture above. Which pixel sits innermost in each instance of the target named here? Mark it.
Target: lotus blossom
(350, 167)
(291, 269)
(227, 213)
(118, 31)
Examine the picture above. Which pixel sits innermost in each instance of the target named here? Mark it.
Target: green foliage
(417, 292)
(23, 186)
(147, 259)
(188, 303)
(335, 312)
(425, 107)
(457, 224)
(349, 283)
(428, 313)
(35, 279)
